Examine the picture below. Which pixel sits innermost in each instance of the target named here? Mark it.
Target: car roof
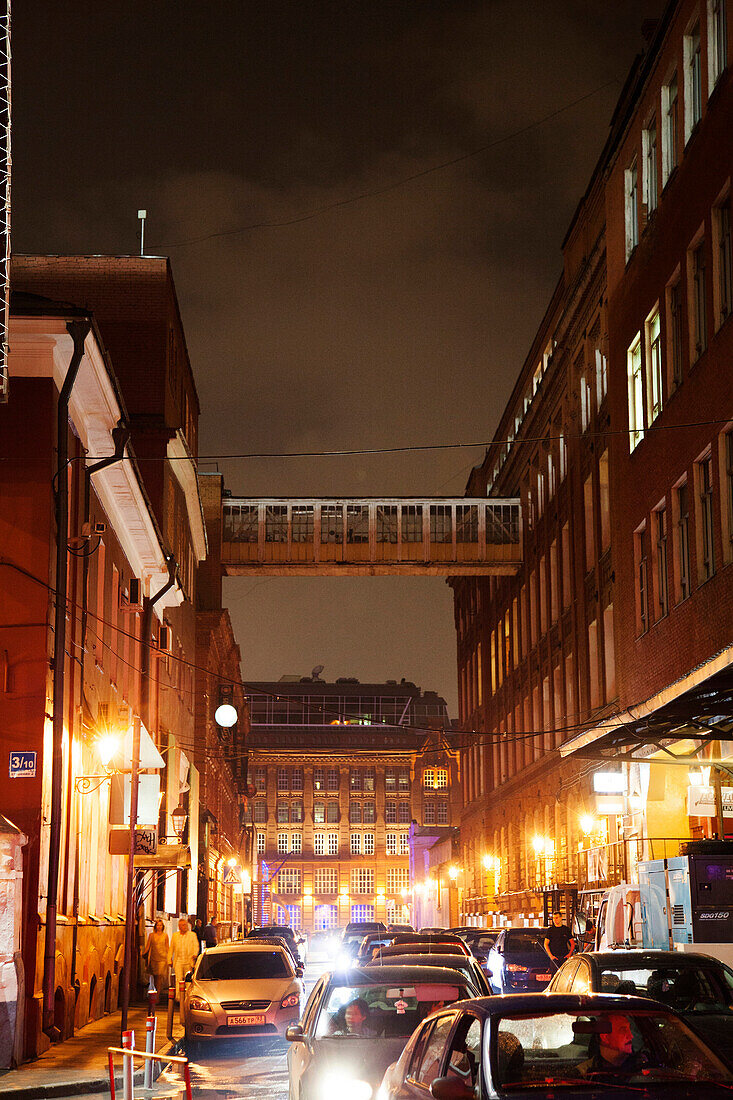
(448, 961)
(379, 975)
(652, 958)
(246, 945)
(547, 1003)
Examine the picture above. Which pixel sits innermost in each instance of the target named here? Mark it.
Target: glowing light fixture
(107, 748)
(225, 715)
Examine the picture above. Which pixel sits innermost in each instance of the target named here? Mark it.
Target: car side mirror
(299, 972)
(451, 1088)
(295, 1034)
(189, 976)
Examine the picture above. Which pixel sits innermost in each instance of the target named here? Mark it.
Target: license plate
(246, 1021)
(543, 977)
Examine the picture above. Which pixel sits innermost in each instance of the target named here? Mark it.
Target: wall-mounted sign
(148, 799)
(701, 801)
(23, 765)
(146, 842)
(233, 877)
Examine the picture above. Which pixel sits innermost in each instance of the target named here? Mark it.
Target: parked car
(436, 929)
(282, 942)
(564, 1045)
(371, 942)
(518, 963)
(697, 986)
(241, 990)
(423, 947)
(354, 1025)
(365, 926)
(400, 928)
(479, 942)
(436, 939)
(465, 965)
(290, 937)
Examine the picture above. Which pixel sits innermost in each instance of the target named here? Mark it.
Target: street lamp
(225, 715)
(179, 817)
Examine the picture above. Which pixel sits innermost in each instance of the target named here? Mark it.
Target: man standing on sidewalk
(184, 949)
(210, 939)
(559, 942)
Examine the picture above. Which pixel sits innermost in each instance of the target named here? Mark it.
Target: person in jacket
(156, 955)
(184, 951)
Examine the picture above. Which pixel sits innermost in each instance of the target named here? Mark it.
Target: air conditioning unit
(165, 639)
(132, 599)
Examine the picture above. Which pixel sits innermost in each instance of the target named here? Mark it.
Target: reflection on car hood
(364, 1059)
(716, 1029)
(243, 989)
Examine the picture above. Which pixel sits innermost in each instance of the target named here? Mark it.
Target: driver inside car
(612, 1052)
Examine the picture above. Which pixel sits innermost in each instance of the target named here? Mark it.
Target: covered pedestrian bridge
(395, 536)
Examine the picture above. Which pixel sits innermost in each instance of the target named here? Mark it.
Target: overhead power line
(337, 204)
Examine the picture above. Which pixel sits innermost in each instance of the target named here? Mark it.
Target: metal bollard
(151, 1024)
(171, 1010)
(181, 994)
(128, 1043)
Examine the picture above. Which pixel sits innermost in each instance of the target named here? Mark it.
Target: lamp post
(179, 817)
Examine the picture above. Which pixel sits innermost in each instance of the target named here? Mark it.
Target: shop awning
(697, 709)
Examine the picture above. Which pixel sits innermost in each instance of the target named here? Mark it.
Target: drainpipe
(130, 913)
(120, 438)
(78, 330)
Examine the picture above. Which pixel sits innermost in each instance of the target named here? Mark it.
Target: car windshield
(602, 1046)
(522, 941)
(237, 965)
(389, 1010)
(683, 988)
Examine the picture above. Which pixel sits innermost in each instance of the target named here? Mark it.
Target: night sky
(400, 313)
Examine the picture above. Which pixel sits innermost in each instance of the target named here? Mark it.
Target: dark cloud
(398, 318)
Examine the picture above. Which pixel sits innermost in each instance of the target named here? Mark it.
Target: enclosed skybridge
(362, 537)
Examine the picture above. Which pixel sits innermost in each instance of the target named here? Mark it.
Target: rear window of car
(684, 988)
(392, 1010)
(522, 941)
(239, 965)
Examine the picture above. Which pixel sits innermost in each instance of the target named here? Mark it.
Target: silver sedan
(241, 990)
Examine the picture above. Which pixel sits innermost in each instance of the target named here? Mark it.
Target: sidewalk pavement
(79, 1066)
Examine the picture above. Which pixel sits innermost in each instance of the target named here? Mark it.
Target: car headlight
(291, 1001)
(198, 1004)
(345, 1087)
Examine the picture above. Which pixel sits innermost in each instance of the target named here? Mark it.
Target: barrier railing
(128, 1055)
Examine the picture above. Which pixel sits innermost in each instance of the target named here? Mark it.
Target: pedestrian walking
(183, 952)
(156, 955)
(198, 926)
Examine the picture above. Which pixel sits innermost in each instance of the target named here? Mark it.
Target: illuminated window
(326, 880)
(326, 917)
(390, 813)
(651, 187)
(654, 365)
(333, 844)
(391, 843)
(435, 778)
(282, 843)
(296, 842)
(398, 878)
(368, 844)
(636, 393)
(631, 206)
(288, 880)
(355, 844)
(404, 844)
(693, 81)
(670, 130)
(362, 880)
(362, 913)
(261, 843)
(319, 813)
(319, 844)
(717, 40)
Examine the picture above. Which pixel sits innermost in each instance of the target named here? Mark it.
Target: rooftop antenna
(142, 215)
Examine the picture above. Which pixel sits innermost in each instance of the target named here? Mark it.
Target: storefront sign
(701, 801)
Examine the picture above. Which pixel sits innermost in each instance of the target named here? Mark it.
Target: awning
(699, 706)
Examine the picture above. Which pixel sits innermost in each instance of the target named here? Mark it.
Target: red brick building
(124, 657)
(618, 627)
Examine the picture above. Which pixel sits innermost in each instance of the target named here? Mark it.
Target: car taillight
(515, 968)
(291, 1001)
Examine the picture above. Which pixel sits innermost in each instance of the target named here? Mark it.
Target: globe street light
(225, 715)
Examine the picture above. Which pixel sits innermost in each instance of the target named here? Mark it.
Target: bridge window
(332, 523)
(440, 523)
(302, 523)
(412, 522)
(276, 523)
(241, 523)
(357, 523)
(387, 523)
(466, 523)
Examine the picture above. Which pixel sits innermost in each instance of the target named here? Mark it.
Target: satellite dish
(316, 672)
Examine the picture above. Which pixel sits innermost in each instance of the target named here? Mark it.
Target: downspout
(130, 913)
(120, 438)
(78, 330)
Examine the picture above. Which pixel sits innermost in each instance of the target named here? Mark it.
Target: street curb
(87, 1087)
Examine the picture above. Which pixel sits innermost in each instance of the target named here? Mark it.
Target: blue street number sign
(23, 765)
